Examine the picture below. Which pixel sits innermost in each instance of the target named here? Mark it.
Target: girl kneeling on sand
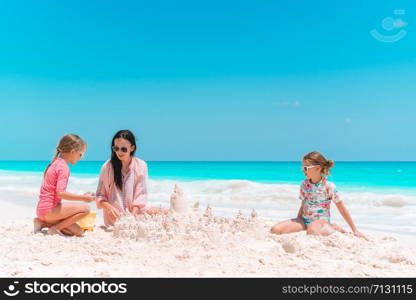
(316, 194)
(123, 181)
(62, 217)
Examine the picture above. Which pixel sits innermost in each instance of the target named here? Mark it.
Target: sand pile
(190, 226)
(195, 242)
(199, 245)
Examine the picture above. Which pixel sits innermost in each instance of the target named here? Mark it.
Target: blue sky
(214, 80)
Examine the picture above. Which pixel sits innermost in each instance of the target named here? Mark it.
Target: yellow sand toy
(88, 222)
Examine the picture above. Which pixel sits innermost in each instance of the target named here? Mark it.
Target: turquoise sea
(359, 176)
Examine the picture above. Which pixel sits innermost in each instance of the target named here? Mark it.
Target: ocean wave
(231, 193)
(242, 191)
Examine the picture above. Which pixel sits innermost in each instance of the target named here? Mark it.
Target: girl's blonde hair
(66, 144)
(317, 159)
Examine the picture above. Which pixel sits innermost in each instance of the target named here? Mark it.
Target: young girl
(316, 194)
(60, 217)
(123, 181)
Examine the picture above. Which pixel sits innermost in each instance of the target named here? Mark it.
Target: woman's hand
(111, 210)
(136, 211)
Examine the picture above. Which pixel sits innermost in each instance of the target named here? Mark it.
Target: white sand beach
(198, 244)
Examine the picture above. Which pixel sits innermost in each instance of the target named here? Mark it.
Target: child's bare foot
(326, 230)
(37, 225)
(338, 228)
(54, 231)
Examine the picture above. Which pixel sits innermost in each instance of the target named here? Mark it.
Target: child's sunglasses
(306, 168)
(122, 149)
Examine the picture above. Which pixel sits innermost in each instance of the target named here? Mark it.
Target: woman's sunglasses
(306, 168)
(122, 149)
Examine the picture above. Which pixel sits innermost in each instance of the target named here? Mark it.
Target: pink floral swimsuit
(317, 199)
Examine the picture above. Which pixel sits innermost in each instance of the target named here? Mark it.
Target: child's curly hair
(316, 158)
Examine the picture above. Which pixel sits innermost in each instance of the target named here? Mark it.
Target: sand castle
(189, 224)
(178, 201)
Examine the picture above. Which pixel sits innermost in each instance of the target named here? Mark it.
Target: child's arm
(300, 212)
(75, 197)
(347, 217)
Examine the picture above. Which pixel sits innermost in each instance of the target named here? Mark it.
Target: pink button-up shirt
(134, 191)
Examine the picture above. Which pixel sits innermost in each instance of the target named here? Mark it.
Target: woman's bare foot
(54, 231)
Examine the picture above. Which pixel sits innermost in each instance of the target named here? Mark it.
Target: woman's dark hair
(115, 162)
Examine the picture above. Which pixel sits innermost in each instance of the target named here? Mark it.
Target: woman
(123, 181)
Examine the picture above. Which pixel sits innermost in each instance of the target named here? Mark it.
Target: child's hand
(89, 197)
(360, 235)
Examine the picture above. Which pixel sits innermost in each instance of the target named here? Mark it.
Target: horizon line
(214, 161)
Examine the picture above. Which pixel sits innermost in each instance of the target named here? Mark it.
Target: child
(316, 194)
(60, 217)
